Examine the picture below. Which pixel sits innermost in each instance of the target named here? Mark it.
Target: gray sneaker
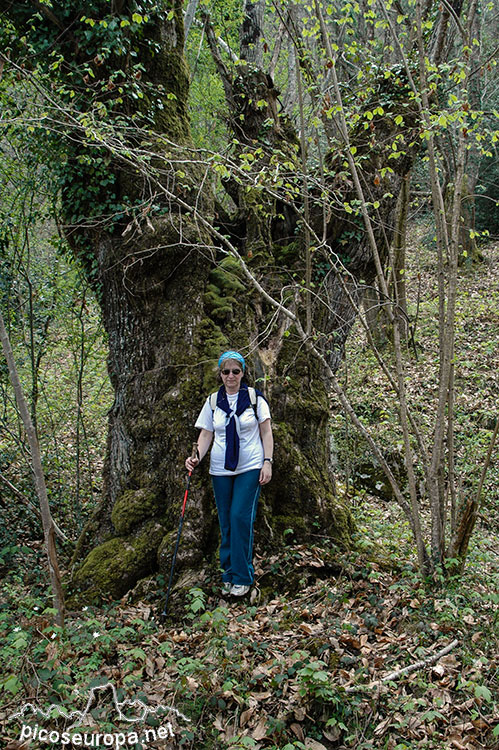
(226, 587)
(239, 589)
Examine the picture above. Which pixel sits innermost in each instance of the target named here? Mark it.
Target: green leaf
(13, 685)
(481, 691)
(138, 653)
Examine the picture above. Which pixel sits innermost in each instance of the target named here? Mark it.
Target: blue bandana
(232, 355)
(231, 436)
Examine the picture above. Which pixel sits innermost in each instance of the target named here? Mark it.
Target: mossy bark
(171, 302)
(169, 312)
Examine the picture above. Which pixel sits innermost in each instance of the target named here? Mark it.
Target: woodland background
(314, 659)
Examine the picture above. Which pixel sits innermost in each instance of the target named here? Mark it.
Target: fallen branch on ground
(406, 670)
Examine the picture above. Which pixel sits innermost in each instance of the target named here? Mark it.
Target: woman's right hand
(191, 463)
(199, 449)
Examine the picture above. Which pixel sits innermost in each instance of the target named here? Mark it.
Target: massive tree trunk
(137, 213)
(170, 303)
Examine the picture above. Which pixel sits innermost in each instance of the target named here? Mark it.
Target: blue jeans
(237, 499)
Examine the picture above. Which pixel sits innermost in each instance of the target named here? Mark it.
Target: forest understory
(334, 649)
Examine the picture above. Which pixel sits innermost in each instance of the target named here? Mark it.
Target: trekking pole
(181, 523)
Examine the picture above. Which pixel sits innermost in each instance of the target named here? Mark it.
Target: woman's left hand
(268, 449)
(265, 473)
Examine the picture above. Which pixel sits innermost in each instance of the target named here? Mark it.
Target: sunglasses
(235, 371)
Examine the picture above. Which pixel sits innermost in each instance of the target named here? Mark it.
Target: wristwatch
(269, 459)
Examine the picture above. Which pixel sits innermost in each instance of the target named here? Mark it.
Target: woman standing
(240, 463)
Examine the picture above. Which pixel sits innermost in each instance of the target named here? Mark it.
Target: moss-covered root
(113, 567)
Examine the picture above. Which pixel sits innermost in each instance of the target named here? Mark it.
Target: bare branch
(422, 664)
(189, 17)
(223, 71)
(41, 489)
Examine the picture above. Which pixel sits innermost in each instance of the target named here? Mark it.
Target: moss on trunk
(171, 302)
(114, 567)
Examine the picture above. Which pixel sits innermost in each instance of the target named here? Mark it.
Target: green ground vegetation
(302, 666)
(304, 663)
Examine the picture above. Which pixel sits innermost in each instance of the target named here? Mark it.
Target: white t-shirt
(250, 443)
